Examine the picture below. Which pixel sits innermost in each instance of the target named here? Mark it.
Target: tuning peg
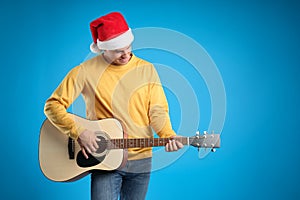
(212, 148)
(197, 134)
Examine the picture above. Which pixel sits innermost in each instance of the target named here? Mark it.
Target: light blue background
(255, 45)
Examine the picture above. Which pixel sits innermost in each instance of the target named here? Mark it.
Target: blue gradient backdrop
(255, 45)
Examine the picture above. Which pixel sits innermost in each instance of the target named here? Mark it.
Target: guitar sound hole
(97, 157)
(102, 145)
(102, 150)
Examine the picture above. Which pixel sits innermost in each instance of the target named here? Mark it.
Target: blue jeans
(128, 183)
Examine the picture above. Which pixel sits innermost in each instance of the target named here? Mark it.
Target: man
(115, 84)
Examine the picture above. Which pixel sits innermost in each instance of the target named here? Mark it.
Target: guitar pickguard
(90, 162)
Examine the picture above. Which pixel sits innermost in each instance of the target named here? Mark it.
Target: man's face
(118, 56)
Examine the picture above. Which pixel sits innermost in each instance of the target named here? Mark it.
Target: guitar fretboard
(142, 143)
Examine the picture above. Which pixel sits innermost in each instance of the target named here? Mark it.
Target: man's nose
(126, 53)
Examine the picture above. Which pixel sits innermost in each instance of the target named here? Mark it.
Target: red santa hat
(110, 32)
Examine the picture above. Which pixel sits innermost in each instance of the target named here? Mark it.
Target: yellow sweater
(131, 93)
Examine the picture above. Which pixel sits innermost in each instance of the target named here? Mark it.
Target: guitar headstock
(205, 140)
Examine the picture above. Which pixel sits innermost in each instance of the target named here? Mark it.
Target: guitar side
(54, 156)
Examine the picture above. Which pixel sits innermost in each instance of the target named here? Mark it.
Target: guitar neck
(143, 142)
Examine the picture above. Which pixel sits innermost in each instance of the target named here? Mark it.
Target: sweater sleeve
(56, 106)
(159, 111)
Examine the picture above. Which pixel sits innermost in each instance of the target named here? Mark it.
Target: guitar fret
(142, 142)
(122, 143)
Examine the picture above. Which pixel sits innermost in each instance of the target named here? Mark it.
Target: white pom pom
(94, 48)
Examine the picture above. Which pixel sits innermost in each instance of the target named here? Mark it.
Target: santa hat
(110, 32)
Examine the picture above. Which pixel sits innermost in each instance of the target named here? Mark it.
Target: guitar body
(54, 150)
(62, 160)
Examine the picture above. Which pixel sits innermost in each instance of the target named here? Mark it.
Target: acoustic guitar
(62, 160)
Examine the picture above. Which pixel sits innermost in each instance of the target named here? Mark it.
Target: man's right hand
(88, 142)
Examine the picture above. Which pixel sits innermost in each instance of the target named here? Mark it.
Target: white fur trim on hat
(94, 48)
(118, 42)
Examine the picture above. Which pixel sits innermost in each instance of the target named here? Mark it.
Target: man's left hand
(173, 145)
